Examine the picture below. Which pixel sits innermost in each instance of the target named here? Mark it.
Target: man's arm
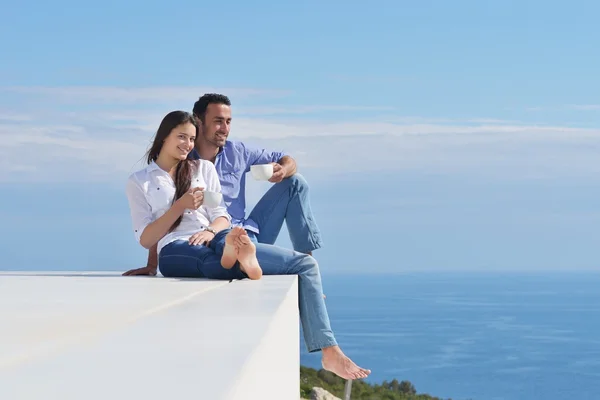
(284, 165)
(284, 168)
(289, 166)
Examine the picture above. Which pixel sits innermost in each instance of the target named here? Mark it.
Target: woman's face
(180, 141)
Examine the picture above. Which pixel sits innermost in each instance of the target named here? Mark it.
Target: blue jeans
(287, 200)
(181, 260)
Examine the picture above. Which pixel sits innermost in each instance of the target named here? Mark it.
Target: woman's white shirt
(150, 192)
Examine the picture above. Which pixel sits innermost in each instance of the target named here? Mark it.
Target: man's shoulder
(235, 145)
(241, 148)
(193, 155)
(235, 150)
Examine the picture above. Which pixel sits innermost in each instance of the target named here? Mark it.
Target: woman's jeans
(182, 260)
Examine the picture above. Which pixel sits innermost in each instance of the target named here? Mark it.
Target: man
(287, 200)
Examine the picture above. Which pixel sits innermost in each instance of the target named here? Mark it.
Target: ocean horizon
(472, 335)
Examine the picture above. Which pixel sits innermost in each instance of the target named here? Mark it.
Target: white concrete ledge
(73, 336)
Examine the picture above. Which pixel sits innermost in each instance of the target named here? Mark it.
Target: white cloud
(13, 117)
(254, 127)
(274, 110)
(160, 94)
(585, 107)
(579, 107)
(108, 143)
(492, 121)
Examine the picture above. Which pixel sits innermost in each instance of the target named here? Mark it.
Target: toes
(238, 231)
(364, 372)
(243, 241)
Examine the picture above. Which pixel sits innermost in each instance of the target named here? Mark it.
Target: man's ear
(198, 125)
(198, 130)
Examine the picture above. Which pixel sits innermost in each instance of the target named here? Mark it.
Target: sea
(472, 335)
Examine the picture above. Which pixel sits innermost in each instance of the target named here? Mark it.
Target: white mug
(262, 172)
(212, 199)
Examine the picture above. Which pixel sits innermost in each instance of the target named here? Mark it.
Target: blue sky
(435, 134)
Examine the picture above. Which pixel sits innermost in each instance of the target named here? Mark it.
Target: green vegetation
(361, 390)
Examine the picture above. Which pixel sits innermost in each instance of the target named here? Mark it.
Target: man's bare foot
(229, 256)
(336, 361)
(246, 254)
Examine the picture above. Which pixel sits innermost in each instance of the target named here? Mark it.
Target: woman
(194, 240)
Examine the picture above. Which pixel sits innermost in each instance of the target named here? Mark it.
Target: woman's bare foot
(336, 361)
(229, 256)
(246, 255)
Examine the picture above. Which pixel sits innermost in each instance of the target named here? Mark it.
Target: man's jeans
(182, 260)
(287, 200)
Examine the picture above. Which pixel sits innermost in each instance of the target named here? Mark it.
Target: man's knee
(309, 265)
(297, 181)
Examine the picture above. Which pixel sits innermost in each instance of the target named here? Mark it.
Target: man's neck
(207, 151)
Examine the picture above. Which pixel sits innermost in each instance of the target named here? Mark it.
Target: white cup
(262, 172)
(212, 199)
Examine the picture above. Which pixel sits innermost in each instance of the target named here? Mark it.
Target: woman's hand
(202, 237)
(192, 200)
(141, 271)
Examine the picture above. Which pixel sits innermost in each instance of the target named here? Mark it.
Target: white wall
(96, 337)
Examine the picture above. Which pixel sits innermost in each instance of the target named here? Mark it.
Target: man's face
(217, 123)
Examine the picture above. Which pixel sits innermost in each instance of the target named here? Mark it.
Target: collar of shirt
(232, 163)
(153, 166)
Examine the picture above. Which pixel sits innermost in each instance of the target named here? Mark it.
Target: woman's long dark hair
(185, 168)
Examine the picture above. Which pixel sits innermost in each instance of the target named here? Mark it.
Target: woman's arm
(220, 223)
(159, 228)
(148, 232)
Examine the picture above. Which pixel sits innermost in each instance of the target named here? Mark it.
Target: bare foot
(229, 256)
(246, 251)
(336, 361)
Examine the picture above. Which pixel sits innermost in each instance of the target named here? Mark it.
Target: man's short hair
(201, 105)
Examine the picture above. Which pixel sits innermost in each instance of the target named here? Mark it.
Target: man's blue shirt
(232, 163)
